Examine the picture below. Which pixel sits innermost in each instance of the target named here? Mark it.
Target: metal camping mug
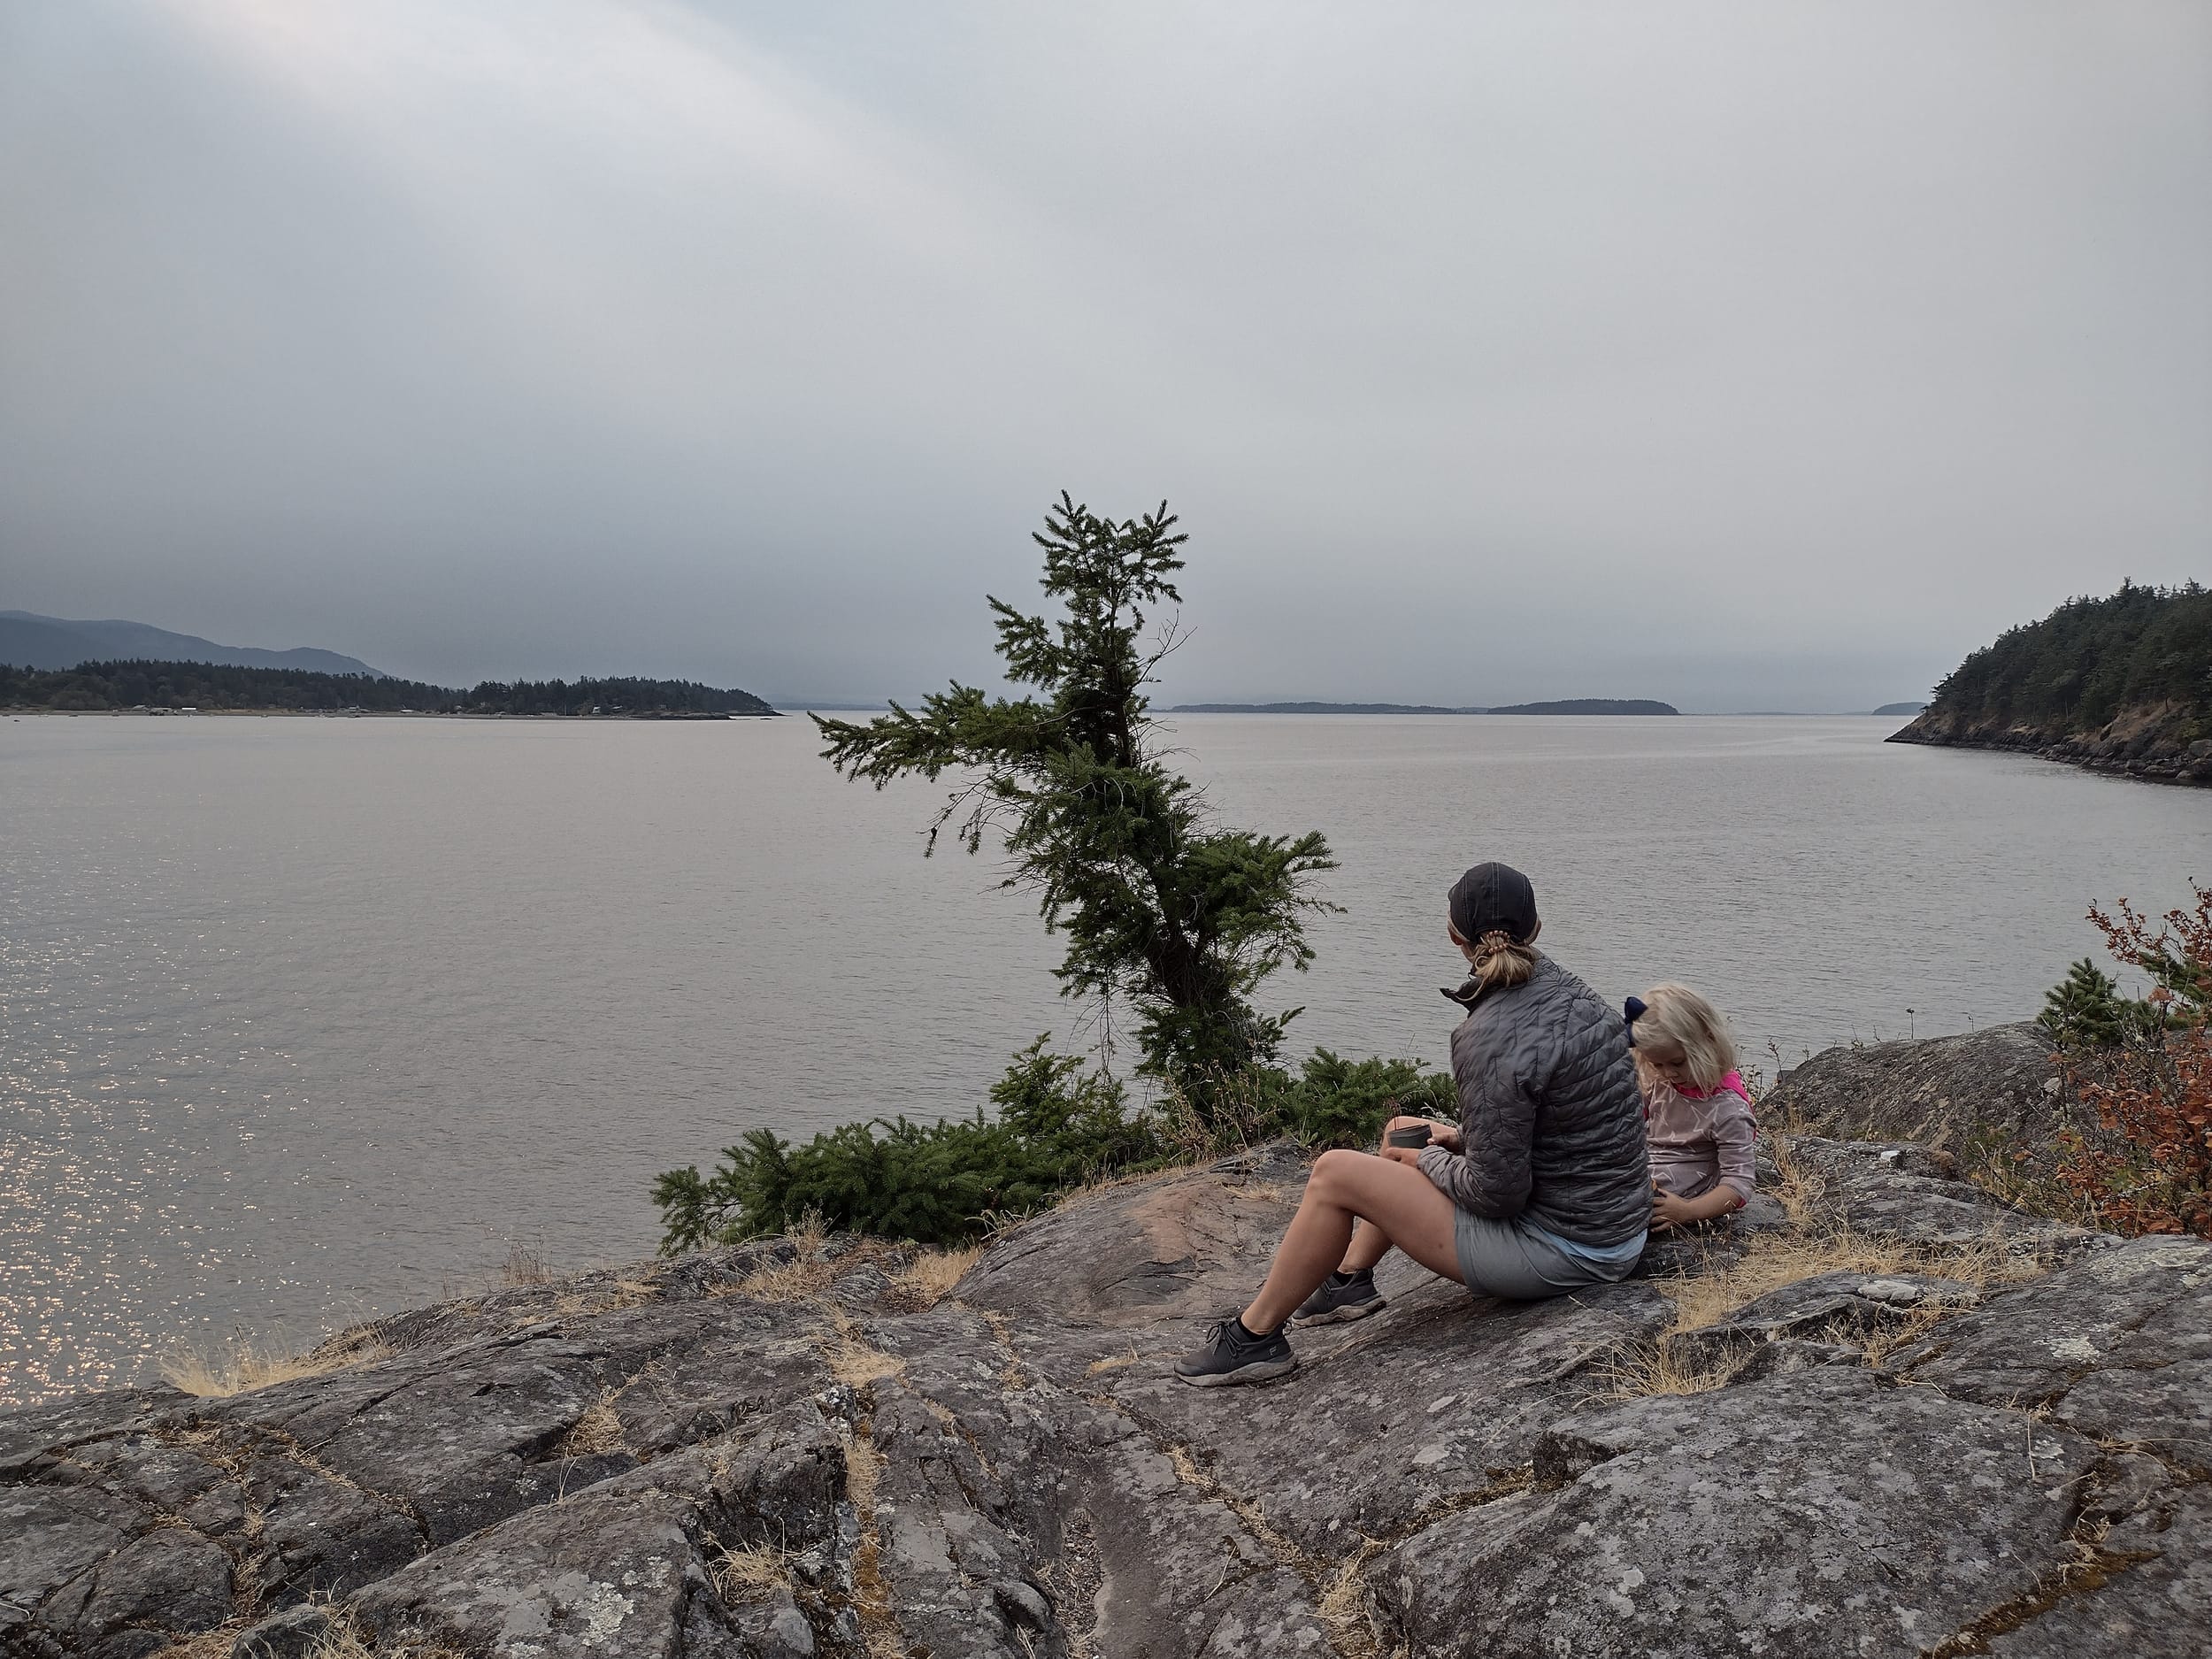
(1411, 1135)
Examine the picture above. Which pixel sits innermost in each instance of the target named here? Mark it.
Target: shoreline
(2187, 768)
(368, 714)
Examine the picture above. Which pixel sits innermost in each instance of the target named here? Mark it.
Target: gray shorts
(1519, 1261)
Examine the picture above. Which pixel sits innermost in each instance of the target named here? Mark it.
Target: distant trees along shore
(96, 688)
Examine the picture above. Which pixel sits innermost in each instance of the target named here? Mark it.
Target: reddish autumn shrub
(2150, 1169)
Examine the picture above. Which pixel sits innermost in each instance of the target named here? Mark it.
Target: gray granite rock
(1952, 1094)
(1906, 1194)
(1818, 1514)
(651, 1461)
(2117, 1346)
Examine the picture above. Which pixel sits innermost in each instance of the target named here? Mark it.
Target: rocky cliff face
(2145, 742)
(1888, 1416)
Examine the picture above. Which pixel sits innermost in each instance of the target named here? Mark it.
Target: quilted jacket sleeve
(1493, 1175)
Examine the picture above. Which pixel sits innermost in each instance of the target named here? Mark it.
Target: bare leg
(1405, 1204)
(1370, 1244)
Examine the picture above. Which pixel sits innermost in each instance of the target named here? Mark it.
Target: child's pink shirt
(1701, 1141)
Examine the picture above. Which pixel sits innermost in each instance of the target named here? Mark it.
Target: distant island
(1900, 708)
(30, 641)
(1571, 705)
(1317, 708)
(2120, 684)
(164, 688)
(1591, 705)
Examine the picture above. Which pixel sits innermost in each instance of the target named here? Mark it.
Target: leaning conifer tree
(1165, 913)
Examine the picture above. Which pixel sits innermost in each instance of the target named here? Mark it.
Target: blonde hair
(1500, 959)
(1680, 1027)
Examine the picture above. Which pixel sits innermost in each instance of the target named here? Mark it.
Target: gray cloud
(1746, 357)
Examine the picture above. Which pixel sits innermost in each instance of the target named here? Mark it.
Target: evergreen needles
(1164, 912)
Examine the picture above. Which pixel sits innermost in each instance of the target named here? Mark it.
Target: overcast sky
(1751, 355)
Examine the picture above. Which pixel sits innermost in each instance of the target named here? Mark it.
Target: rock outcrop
(1905, 1421)
(2154, 741)
(1952, 1094)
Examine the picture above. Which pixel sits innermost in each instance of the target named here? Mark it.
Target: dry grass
(525, 1265)
(1815, 1244)
(1343, 1605)
(599, 1431)
(1249, 1510)
(1644, 1368)
(871, 1593)
(929, 1278)
(344, 1639)
(855, 1361)
(1112, 1362)
(209, 1643)
(749, 1573)
(246, 1366)
(1775, 1260)
(805, 1276)
(1106, 1186)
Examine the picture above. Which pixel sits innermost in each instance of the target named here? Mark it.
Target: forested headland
(2119, 684)
(115, 688)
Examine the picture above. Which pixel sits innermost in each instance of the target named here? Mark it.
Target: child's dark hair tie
(1631, 1011)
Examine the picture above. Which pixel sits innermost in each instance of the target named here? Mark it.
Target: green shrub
(1340, 1102)
(1057, 1127)
(946, 1183)
(2084, 1012)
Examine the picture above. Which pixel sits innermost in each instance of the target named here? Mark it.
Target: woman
(1543, 1189)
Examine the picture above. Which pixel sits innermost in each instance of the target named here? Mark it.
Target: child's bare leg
(1407, 1209)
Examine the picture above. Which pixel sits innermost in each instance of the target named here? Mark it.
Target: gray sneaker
(1228, 1356)
(1342, 1296)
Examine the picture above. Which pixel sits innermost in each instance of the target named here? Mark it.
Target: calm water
(305, 1019)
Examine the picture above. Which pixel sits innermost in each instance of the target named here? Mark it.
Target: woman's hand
(1410, 1156)
(1444, 1135)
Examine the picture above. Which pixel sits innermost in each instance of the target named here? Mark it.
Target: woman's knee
(1332, 1174)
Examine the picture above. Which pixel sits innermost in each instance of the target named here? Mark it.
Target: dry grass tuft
(1774, 1260)
(343, 1639)
(749, 1573)
(1644, 1368)
(1112, 1362)
(806, 1275)
(599, 1431)
(854, 1361)
(929, 1278)
(1343, 1605)
(525, 1265)
(209, 1643)
(871, 1593)
(247, 1366)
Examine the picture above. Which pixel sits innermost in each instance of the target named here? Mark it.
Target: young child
(1697, 1113)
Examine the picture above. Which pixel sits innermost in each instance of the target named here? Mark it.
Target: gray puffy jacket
(1549, 1115)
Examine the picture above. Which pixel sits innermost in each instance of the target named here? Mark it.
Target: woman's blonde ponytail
(1502, 960)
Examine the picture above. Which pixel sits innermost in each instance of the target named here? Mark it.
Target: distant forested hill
(30, 641)
(93, 687)
(2121, 684)
(1591, 705)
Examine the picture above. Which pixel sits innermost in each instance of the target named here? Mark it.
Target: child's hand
(1667, 1210)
